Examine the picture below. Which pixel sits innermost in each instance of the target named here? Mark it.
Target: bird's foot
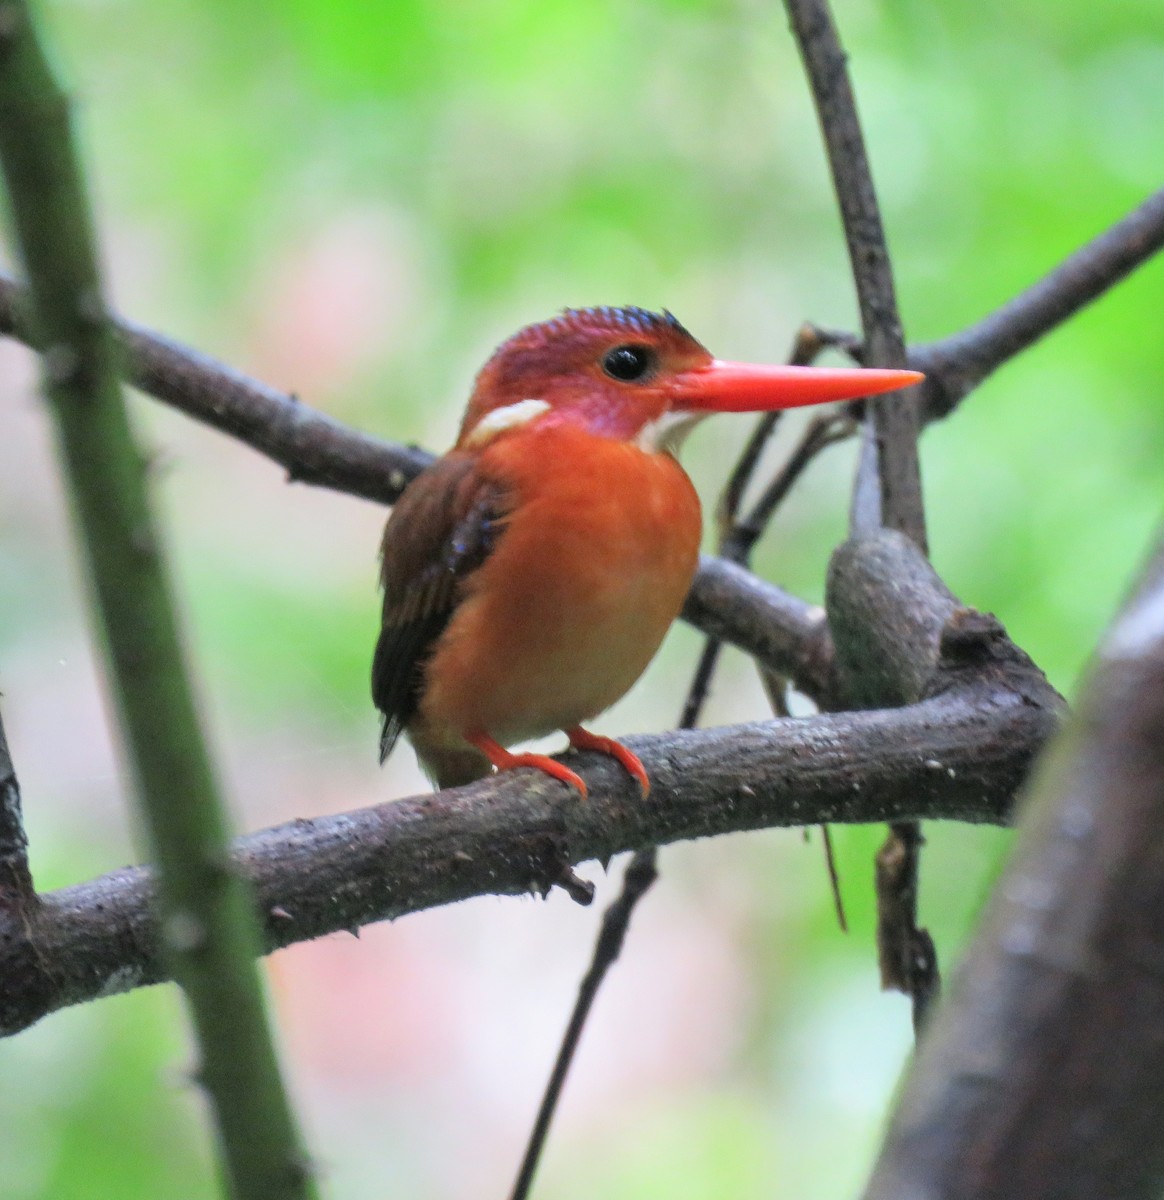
(504, 761)
(581, 739)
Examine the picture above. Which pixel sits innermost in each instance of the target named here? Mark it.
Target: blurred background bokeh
(356, 202)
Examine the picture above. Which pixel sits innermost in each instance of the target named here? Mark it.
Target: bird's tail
(449, 764)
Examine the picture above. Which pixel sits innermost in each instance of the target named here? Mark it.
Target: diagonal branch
(959, 756)
(956, 365)
(311, 446)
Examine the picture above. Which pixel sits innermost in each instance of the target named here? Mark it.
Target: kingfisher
(531, 573)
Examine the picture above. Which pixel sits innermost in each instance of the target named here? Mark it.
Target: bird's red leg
(580, 739)
(504, 761)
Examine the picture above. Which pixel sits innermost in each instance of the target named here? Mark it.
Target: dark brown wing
(441, 530)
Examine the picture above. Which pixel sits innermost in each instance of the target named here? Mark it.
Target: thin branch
(738, 537)
(311, 446)
(889, 449)
(820, 433)
(887, 490)
(1042, 1074)
(905, 953)
(740, 540)
(637, 880)
(642, 870)
(956, 365)
(211, 934)
(810, 342)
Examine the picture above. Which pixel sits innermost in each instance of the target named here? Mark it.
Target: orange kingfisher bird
(529, 575)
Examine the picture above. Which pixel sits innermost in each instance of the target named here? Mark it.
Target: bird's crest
(603, 318)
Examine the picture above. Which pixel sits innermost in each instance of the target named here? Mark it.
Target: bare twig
(904, 951)
(820, 433)
(640, 874)
(826, 837)
(738, 536)
(211, 934)
(956, 365)
(889, 450)
(810, 342)
(311, 446)
(1042, 1073)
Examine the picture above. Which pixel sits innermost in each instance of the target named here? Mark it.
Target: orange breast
(592, 568)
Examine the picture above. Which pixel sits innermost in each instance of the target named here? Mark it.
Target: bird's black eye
(628, 363)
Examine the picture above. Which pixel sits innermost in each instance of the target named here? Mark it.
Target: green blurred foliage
(438, 174)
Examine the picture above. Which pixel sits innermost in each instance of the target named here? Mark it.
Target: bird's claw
(582, 739)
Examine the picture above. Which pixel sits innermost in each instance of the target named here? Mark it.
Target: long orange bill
(745, 387)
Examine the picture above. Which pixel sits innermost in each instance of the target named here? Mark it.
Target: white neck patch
(512, 416)
(666, 433)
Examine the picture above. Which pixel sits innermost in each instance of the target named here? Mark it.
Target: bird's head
(638, 376)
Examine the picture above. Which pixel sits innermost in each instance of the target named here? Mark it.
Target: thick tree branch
(959, 756)
(1043, 1071)
(211, 936)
